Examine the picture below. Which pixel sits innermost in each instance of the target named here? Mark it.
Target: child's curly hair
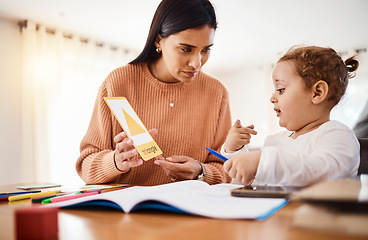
(315, 63)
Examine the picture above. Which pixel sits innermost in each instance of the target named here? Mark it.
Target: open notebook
(188, 197)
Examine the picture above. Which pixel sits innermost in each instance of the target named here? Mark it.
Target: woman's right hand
(125, 151)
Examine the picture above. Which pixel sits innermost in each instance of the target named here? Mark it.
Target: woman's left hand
(179, 167)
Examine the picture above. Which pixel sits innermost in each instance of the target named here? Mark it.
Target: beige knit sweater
(189, 117)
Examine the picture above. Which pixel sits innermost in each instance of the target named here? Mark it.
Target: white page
(191, 196)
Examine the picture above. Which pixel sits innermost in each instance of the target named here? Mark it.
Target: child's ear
(320, 91)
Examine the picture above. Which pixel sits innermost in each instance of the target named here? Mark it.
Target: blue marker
(217, 154)
(8, 194)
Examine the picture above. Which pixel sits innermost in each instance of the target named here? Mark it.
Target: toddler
(309, 82)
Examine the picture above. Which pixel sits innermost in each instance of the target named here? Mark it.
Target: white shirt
(328, 152)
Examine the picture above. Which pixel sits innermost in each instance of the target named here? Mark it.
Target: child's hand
(243, 167)
(238, 136)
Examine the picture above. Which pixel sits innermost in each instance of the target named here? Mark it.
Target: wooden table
(109, 224)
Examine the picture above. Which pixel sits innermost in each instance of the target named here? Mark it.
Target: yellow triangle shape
(133, 126)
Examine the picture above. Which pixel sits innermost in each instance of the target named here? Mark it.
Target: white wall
(250, 88)
(10, 103)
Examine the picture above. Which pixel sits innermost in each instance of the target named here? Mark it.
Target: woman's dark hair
(315, 63)
(173, 16)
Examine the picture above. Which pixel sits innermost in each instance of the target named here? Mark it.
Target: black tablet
(262, 191)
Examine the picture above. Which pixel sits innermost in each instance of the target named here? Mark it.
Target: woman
(185, 109)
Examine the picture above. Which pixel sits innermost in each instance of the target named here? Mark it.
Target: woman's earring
(158, 50)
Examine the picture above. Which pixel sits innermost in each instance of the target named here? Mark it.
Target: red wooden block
(36, 223)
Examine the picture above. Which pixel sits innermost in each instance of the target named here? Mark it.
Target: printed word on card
(133, 127)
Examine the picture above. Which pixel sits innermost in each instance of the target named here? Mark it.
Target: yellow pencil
(29, 195)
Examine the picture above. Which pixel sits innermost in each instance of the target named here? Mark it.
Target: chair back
(363, 167)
